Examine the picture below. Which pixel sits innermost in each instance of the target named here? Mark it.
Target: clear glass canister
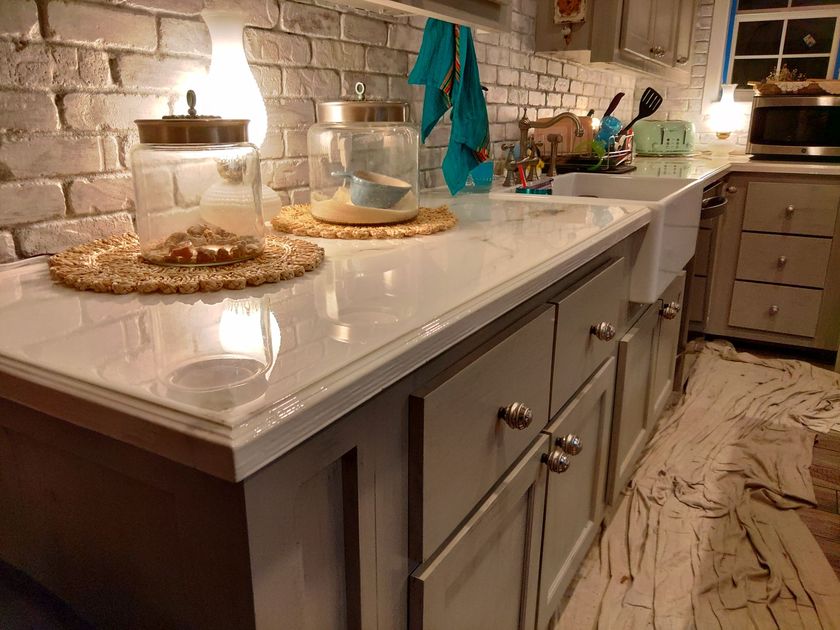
(363, 161)
(197, 191)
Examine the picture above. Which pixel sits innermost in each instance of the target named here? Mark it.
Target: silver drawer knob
(781, 262)
(774, 309)
(682, 60)
(516, 415)
(571, 444)
(603, 331)
(670, 310)
(557, 461)
(731, 189)
(789, 211)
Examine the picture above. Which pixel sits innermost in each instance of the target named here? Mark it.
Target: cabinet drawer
(781, 259)
(776, 308)
(809, 209)
(578, 351)
(486, 576)
(459, 444)
(574, 504)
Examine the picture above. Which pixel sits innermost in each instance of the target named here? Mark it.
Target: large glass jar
(197, 191)
(363, 162)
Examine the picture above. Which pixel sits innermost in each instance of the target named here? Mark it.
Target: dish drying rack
(617, 159)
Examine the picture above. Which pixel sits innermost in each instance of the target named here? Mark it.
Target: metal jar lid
(361, 110)
(192, 128)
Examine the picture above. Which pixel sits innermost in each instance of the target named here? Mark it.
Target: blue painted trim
(837, 62)
(733, 8)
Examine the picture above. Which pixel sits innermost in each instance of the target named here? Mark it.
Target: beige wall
(74, 75)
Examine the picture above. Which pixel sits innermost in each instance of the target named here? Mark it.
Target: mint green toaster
(663, 137)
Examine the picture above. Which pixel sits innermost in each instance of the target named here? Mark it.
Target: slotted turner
(649, 103)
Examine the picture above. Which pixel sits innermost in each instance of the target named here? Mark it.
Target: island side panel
(129, 539)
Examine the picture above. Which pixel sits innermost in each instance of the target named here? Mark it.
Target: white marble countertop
(316, 346)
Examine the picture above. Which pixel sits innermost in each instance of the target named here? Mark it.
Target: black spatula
(649, 103)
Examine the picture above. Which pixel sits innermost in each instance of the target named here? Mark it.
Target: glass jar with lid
(197, 190)
(363, 161)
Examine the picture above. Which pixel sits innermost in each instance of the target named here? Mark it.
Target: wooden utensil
(613, 104)
(648, 104)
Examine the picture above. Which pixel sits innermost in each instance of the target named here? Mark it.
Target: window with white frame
(765, 35)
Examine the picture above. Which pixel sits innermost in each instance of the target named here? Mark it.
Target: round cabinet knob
(781, 262)
(571, 444)
(670, 310)
(790, 210)
(604, 331)
(774, 309)
(731, 189)
(682, 60)
(516, 415)
(557, 461)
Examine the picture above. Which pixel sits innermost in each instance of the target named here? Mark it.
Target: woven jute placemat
(297, 220)
(114, 265)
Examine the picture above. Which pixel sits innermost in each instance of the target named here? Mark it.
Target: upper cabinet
(650, 36)
(485, 14)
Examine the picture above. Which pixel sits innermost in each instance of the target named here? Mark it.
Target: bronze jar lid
(192, 128)
(361, 110)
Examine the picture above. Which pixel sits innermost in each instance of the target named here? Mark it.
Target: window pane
(746, 5)
(811, 67)
(744, 70)
(759, 38)
(813, 3)
(809, 36)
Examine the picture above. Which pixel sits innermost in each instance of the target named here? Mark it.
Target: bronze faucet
(525, 125)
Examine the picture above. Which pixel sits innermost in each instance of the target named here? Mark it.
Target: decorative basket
(808, 87)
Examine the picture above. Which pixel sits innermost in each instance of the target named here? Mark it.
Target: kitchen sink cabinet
(668, 338)
(486, 14)
(773, 273)
(649, 36)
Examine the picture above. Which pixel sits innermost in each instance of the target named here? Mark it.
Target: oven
(795, 126)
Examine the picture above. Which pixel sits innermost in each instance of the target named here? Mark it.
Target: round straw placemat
(297, 220)
(114, 265)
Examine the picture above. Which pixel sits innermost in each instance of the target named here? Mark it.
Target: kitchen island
(305, 495)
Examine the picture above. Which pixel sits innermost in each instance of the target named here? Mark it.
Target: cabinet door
(486, 575)
(684, 33)
(666, 353)
(493, 14)
(632, 419)
(574, 505)
(664, 31)
(637, 27)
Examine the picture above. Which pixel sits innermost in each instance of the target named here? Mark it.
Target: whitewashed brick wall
(75, 74)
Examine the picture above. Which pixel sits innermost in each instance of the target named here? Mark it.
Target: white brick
(28, 111)
(311, 82)
(111, 111)
(362, 29)
(404, 37)
(44, 156)
(269, 80)
(280, 48)
(290, 113)
(273, 147)
(309, 20)
(80, 67)
(19, 17)
(101, 24)
(101, 195)
(259, 13)
(327, 53)
(387, 61)
(177, 74)
(507, 76)
(55, 236)
(562, 85)
(184, 36)
(498, 56)
(175, 6)
(26, 203)
(34, 65)
(528, 80)
(285, 173)
(295, 141)
(7, 247)
(376, 85)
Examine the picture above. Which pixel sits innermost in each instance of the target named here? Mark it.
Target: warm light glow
(596, 123)
(725, 116)
(243, 330)
(230, 90)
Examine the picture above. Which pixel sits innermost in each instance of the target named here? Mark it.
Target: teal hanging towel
(448, 69)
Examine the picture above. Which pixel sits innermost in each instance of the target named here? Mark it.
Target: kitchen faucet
(525, 125)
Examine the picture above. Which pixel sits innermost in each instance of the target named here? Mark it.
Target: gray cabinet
(575, 499)
(650, 36)
(486, 576)
(670, 316)
(488, 14)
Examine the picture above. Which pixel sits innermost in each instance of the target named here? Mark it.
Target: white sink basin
(670, 237)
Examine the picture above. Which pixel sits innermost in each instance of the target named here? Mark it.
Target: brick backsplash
(74, 75)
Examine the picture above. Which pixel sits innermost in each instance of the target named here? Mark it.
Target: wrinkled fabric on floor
(707, 535)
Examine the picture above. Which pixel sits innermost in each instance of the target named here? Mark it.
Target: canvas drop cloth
(708, 535)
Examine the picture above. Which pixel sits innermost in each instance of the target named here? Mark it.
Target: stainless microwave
(795, 126)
